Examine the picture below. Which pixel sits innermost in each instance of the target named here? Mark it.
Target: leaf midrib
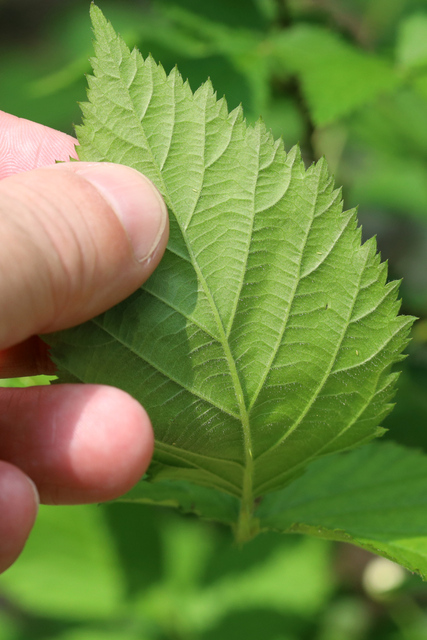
(244, 417)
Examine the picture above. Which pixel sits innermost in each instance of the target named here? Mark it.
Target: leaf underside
(265, 338)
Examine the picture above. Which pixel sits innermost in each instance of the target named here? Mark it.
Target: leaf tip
(96, 13)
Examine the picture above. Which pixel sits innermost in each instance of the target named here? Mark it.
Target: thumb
(76, 239)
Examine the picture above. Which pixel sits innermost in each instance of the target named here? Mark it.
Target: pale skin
(76, 238)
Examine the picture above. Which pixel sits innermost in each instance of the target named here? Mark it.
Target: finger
(76, 239)
(28, 358)
(78, 443)
(25, 145)
(18, 510)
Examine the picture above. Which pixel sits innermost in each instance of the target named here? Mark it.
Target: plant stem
(247, 526)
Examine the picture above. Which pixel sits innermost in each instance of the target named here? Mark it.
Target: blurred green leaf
(187, 577)
(397, 126)
(8, 630)
(293, 578)
(255, 624)
(290, 576)
(69, 567)
(411, 48)
(89, 633)
(136, 534)
(268, 8)
(244, 48)
(239, 13)
(407, 423)
(336, 77)
(394, 183)
(17, 72)
(387, 155)
(283, 117)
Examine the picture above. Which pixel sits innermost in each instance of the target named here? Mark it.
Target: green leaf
(187, 576)
(52, 579)
(392, 183)
(375, 497)
(294, 577)
(392, 174)
(336, 77)
(188, 498)
(411, 50)
(243, 47)
(265, 338)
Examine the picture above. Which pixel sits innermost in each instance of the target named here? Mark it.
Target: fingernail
(135, 201)
(35, 491)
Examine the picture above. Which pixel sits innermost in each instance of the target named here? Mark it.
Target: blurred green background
(346, 79)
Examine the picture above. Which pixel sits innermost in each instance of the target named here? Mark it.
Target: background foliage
(348, 80)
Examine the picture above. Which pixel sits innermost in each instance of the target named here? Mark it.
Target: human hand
(65, 257)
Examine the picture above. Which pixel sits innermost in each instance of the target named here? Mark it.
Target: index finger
(26, 145)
